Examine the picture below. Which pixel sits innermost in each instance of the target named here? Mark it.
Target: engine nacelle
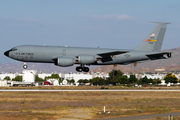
(86, 59)
(169, 55)
(64, 62)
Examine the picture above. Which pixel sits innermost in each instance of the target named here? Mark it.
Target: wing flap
(112, 53)
(105, 57)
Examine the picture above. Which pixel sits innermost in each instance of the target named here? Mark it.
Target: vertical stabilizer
(154, 40)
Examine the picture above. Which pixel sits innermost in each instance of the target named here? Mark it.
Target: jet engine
(86, 59)
(64, 62)
(169, 55)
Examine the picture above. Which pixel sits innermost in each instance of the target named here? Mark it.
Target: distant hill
(172, 64)
(40, 67)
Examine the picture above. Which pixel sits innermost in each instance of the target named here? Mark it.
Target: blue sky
(85, 23)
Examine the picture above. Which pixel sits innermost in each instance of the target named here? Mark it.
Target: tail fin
(154, 40)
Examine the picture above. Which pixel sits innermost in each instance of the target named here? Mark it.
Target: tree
(114, 75)
(131, 68)
(97, 81)
(144, 80)
(140, 81)
(93, 81)
(123, 79)
(85, 81)
(132, 79)
(7, 78)
(135, 65)
(80, 81)
(170, 78)
(18, 78)
(38, 79)
(157, 81)
(72, 81)
(150, 81)
(56, 76)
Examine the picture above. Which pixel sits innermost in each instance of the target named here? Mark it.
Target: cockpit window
(13, 49)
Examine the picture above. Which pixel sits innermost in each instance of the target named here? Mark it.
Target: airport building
(28, 76)
(100, 74)
(43, 75)
(11, 75)
(78, 76)
(155, 76)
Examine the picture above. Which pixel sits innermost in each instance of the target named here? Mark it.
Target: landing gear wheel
(79, 69)
(86, 69)
(25, 66)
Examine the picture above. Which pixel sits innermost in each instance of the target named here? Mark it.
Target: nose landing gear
(25, 66)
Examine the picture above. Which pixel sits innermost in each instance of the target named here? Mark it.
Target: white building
(78, 76)
(28, 76)
(154, 76)
(2, 76)
(3, 83)
(43, 75)
(101, 75)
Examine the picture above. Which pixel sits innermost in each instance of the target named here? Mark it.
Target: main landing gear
(25, 66)
(82, 68)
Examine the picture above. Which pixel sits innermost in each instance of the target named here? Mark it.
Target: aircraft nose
(7, 53)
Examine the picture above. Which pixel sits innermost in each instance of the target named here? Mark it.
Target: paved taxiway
(149, 116)
(90, 90)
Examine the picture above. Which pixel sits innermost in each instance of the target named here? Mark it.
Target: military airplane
(149, 49)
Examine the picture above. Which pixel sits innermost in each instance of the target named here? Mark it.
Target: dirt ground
(84, 105)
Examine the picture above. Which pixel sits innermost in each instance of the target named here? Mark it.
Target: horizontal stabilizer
(159, 55)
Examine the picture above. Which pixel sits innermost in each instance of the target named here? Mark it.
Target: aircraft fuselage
(149, 49)
(45, 54)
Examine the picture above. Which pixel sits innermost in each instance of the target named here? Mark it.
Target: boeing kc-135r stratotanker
(149, 49)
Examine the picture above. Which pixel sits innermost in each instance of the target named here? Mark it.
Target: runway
(89, 90)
